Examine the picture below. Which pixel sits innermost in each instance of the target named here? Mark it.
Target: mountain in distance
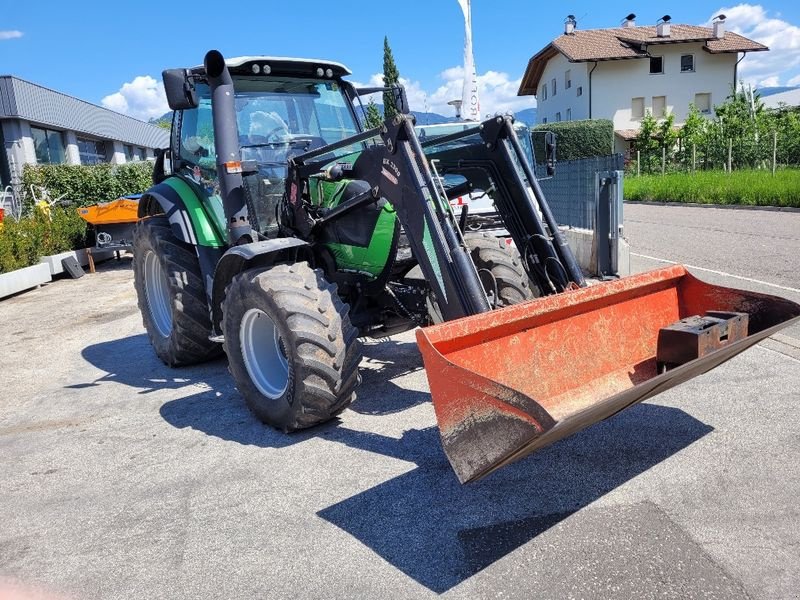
(527, 116)
(769, 91)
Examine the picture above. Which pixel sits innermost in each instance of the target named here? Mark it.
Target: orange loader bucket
(508, 382)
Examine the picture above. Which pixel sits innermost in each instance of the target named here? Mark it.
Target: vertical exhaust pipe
(226, 143)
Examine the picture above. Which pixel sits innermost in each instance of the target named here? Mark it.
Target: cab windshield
(276, 117)
(279, 116)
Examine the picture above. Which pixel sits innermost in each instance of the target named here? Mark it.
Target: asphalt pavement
(122, 478)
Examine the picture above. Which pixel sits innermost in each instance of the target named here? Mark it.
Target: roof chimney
(662, 28)
(570, 24)
(719, 26)
(629, 21)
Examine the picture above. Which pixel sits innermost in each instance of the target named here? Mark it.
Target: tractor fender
(189, 221)
(247, 256)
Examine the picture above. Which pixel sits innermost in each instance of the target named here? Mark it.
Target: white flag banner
(470, 103)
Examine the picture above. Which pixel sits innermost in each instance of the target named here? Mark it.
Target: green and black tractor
(280, 232)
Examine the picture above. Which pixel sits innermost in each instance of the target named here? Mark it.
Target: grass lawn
(755, 188)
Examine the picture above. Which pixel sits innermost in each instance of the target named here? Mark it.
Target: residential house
(624, 72)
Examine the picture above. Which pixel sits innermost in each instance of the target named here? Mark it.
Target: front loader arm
(548, 259)
(398, 171)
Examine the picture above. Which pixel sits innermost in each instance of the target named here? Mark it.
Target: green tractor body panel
(205, 214)
(370, 259)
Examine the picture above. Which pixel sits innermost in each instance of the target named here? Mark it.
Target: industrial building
(42, 126)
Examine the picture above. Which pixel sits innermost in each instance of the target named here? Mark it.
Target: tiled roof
(627, 134)
(620, 43)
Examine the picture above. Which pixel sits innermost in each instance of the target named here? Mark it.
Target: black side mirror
(180, 90)
(398, 93)
(550, 152)
(400, 99)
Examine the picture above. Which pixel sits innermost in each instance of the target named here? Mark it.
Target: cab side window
(197, 136)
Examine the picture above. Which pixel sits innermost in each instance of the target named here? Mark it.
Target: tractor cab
(284, 107)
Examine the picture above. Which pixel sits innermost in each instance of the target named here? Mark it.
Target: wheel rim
(156, 288)
(264, 353)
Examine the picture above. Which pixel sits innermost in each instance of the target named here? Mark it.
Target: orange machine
(112, 223)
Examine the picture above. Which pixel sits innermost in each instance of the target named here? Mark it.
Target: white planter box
(54, 260)
(23, 279)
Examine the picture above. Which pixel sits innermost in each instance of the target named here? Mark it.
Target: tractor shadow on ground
(384, 361)
(422, 522)
(218, 410)
(441, 533)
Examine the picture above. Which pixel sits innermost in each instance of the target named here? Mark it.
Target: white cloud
(498, 92)
(794, 80)
(143, 98)
(783, 39)
(10, 35)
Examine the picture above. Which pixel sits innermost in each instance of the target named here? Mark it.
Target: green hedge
(83, 185)
(578, 139)
(24, 242)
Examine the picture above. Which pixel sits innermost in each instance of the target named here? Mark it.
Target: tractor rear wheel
(171, 295)
(291, 347)
(500, 269)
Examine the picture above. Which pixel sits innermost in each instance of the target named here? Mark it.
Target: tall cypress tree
(373, 116)
(391, 76)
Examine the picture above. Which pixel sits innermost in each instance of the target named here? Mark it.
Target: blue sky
(113, 53)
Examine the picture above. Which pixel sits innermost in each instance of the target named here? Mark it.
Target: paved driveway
(122, 478)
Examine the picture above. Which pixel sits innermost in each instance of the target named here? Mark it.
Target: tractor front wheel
(500, 269)
(291, 347)
(171, 295)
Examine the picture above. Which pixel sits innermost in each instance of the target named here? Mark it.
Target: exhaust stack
(226, 144)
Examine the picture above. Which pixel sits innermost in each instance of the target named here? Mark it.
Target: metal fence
(572, 192)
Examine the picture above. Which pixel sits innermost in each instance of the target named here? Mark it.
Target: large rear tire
(500, 269)
(291, 347)
(172, 299)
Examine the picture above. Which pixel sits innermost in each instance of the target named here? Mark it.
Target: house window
(558, 117)
(544, 120)
(703, 102)
(580, 90)
(92, 152)
(49, 146)
(569, 114)
(659, 106)
(637, 108)
(553, 84)
(544, 91)
(568, 79)
(128, 153)
(687, 63)
(139, 154)
(656, 65)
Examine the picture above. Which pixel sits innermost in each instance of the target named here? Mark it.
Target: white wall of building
(616, 83)
(565, 100)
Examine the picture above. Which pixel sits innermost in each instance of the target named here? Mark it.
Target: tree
(692, 134)
(391, 76)
(646, 142)
(744, 125)
(373, 116)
